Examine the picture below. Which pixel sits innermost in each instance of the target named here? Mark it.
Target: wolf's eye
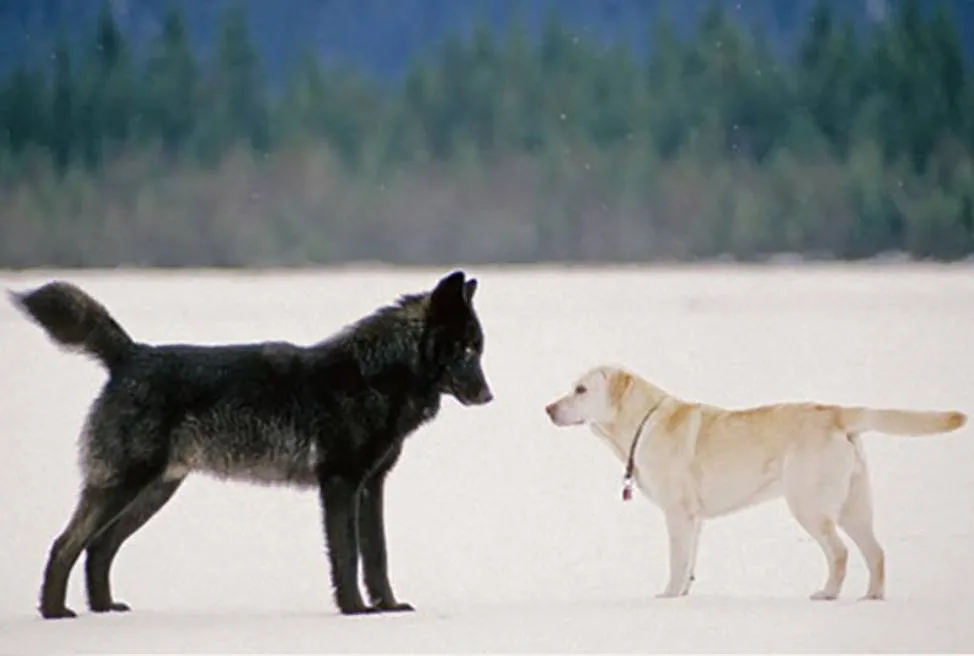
(580, 389)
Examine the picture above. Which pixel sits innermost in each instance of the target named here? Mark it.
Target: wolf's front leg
(373, 543)
(341, 541)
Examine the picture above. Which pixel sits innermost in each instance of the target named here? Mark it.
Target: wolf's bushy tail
(900, 422)
(76, 321)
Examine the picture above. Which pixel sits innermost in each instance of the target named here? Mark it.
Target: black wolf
(332, 416)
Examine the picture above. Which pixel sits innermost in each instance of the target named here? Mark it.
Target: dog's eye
(581, 389)
(470, 352)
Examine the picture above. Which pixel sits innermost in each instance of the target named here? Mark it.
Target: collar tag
(627, 488)
(631, 460)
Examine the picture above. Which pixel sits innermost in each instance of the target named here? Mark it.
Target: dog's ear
(469, 288)
(619, 384)
(449, 294)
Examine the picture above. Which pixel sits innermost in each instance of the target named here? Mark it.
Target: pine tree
(730, 78)
(947, 64)
(22, 115)
(62, 133)
(669, 114)
(171, 96)
(415, 134)
(480, 89)
(105, 110)
(299, 114)
(828, 77)
(916, 65)
(519, 98)
(234, 106)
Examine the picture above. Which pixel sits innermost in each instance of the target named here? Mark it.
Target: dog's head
(456, 340)
(596, 397)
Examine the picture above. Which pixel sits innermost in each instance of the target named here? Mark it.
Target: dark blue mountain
(382, 35)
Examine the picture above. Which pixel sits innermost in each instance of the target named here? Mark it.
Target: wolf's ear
(449, 293)
(449, 286)
(469, 289)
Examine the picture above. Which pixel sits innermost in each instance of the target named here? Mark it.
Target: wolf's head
(455, 340)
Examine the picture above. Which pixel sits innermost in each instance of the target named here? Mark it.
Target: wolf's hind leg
(339, 502)
(97, 508)
(103, 548)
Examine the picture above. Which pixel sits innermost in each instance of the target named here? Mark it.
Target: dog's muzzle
(552, 411)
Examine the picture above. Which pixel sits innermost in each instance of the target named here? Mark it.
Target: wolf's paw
(359, 610)
(113, 607)
(62, 613)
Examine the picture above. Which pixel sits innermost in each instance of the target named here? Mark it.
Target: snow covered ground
(506, 533)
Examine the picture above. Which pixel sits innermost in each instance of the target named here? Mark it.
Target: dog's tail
(76, 321)
(900, 422)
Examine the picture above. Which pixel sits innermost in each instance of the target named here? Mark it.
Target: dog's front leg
(373, 544)
(683, 529)
(338, 498)
(694, 545)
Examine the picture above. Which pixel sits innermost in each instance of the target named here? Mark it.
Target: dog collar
(630, 462)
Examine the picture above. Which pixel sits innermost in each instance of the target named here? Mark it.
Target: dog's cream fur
(698, 461)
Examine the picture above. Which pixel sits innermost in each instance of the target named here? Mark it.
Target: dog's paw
(669, 594)
(872, 596)
(824, 595)
(397, 607)
(62, 613)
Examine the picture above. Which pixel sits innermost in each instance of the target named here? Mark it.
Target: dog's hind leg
(97, 508)
(822, 529)
(103, 548)
(816, 484)
(856, 519)
(339, 501)
(683, 530)
(373, 544)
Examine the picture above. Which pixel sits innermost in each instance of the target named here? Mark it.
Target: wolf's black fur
(333, 416)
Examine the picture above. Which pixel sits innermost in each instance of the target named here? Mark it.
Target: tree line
(497, 146)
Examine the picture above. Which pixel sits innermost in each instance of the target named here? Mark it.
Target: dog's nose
(550, 409)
